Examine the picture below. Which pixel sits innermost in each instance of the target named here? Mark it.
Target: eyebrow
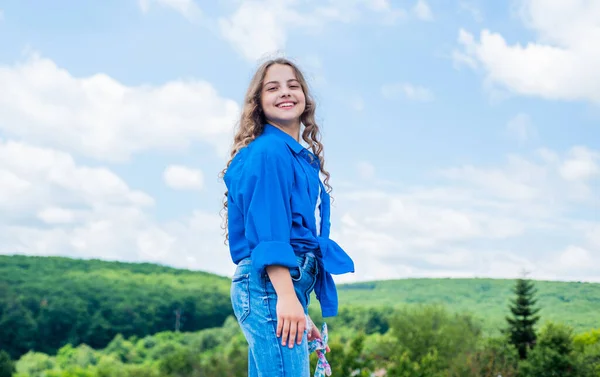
(277, 82)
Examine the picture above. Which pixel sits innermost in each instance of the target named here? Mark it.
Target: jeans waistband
(299, 257)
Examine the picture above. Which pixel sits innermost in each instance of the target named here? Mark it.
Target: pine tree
(524, 317)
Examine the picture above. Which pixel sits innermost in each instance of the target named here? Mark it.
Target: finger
(301, 328)
(285, 330)
(328, 349)
(317, 333)
(279, 325)
(292, 339)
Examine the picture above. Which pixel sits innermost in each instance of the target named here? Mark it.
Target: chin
(289, 119)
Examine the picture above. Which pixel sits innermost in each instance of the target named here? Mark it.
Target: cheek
(303, 100)
(268, 100)
(264, 103)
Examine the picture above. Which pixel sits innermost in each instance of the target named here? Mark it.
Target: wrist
(287, 295)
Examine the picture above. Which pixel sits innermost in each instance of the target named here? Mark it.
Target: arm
(266, 202)
(290, 313)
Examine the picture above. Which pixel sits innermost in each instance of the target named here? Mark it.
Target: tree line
(47, 302)
(413, 341)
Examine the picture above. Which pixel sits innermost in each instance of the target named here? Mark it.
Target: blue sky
(462, 137)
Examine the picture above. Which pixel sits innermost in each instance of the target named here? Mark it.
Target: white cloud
(521, 128)
(56, 215)
(36, 178)
(90, 212)
(11, 185)
(406, 90)
(581, 165)
(422, 10)
(87, 211)
(183, 178)
(479, 221)
(125, 233)
(420, 231)
(514, 183)
(52, 204)
(561, 64)
(549, 177)
(99, 117)
(259, 28)
(199, 242)
(408, 236)
(188, 8)
(576, 258)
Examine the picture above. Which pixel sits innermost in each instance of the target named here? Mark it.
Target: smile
(286, 105)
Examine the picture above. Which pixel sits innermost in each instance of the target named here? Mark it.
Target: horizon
(339, 284)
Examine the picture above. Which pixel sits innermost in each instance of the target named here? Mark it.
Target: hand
(314, 333)
(291, 320)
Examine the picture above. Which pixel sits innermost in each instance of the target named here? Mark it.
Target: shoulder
(269, 145)
(263, 152)
(266, 149)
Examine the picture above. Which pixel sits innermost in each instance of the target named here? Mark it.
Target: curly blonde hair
(252, 123)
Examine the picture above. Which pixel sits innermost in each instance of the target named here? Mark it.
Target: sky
(462, 136)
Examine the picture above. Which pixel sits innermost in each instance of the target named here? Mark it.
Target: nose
(285, 91)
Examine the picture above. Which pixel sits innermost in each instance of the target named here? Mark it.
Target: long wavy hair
(252, 123)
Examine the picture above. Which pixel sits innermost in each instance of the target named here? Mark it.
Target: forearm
(291, 319)
(282, 280)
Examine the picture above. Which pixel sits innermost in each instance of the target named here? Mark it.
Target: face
(282, 98)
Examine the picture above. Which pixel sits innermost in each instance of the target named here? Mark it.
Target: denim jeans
(254, 301)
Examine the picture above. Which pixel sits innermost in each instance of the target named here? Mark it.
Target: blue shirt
(273, 190)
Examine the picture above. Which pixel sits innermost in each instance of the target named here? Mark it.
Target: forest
(62, 317)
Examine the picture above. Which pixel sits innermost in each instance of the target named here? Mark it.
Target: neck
(292, 129)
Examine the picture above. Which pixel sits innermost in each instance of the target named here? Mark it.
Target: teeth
(286, 105)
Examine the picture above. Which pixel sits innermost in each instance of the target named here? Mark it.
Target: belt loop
(303, 259)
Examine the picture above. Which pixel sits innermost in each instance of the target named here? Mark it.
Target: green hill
(573, 303)
(47, 302)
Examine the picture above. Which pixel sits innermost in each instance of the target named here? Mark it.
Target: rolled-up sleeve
(266, 190)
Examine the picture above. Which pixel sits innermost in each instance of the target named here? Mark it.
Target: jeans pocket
(240, 296)
(312, 279)
(305, 283)
(296, 273)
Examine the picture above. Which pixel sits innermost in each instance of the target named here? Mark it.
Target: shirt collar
(291, 142)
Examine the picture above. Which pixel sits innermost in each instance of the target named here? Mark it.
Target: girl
(277, 223)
